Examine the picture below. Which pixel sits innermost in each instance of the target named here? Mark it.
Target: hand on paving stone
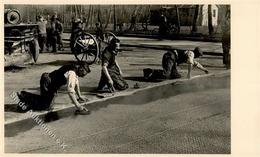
(82, 99)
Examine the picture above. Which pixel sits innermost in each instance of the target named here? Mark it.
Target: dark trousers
(42, 38)
(119, 82)
(226, 49)
(169, 70)
(163, 30)
(154, 74)
(49, 39)
(54, 42)
(35, 101)
(59, 41)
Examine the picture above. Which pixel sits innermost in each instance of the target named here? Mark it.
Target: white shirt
(190, 59)
(42, 27)
(72, 81)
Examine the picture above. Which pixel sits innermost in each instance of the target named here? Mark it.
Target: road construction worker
(111, 74)
(170, 61)
(51, 82)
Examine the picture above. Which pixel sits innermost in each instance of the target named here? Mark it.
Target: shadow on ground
(138, 98)
(57, 63)
(141, 79)
(14, 68)
(166, 91)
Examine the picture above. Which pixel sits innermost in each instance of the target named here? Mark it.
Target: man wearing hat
(111, 74)
(51, 82)
(170, 61)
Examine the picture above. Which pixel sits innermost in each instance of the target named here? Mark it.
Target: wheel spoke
(83, 54)
(91, 54)
(79, 44)
(80, 38)
(88, 43)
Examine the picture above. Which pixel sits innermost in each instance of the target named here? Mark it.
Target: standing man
(51, 82)
(111, 74)
(163, 27)
(53, 33)
(170, 61)
(226, 38)
(59, 32)
(42, 33)
(49, 33)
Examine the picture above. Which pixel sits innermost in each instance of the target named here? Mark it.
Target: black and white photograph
(117, 78)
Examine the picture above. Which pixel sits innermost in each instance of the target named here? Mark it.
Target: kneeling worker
(111, 74)
(170, 61)
(50, 83)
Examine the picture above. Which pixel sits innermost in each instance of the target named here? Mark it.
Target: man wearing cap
(111, 74)
(170, 61)
(51, 82)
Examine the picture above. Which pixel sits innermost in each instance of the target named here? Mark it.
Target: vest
(182, 57)
(57, 76)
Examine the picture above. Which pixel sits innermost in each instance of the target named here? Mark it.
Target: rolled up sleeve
(106, 57)
(72, 81)
(190, 57)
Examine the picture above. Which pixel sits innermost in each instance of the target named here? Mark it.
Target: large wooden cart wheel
(85, 48)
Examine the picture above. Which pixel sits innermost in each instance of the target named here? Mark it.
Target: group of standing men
(50, 33)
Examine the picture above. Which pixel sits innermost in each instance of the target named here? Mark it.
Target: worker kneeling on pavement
(50, 83)
(111, 74)
(170, 61)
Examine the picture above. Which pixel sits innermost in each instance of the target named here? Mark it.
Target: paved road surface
(193, 122)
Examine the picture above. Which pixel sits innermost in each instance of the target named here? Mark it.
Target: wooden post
(114, 6)
(211, 29)
(194, 23)
(178, 19)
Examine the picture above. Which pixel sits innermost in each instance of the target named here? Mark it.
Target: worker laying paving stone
(50, 83)
(170, 61)
(111, 74)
